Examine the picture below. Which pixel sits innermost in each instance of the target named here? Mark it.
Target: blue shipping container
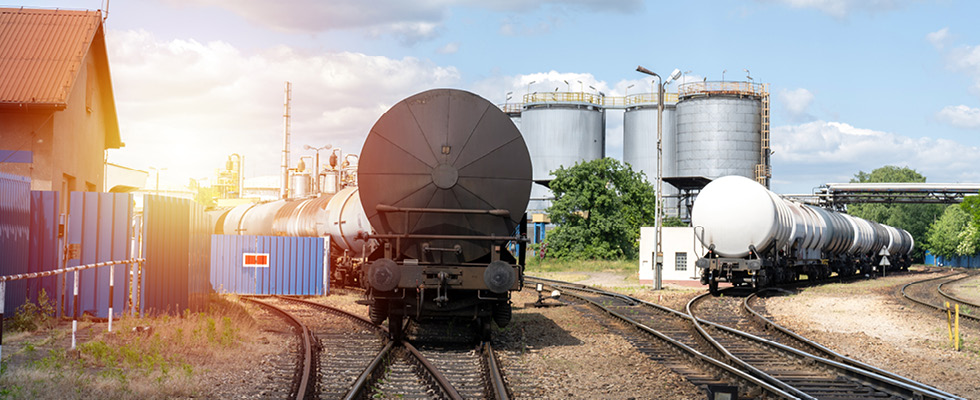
(296, 265)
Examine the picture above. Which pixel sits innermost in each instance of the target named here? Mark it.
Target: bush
(31, 317)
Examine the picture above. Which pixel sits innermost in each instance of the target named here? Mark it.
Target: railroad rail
(668, 338)
(806, 375)
(929, 293)
(357, 359)
(793, 373)
(302, 383)
(955, 298)
(769, 326)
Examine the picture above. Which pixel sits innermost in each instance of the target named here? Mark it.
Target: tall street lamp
(157, 191)
(316, 172)
(526, 93)
(659, 211)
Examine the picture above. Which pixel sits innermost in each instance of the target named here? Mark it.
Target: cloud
(409, 21)
(809, 154)
(186, 105)
(964, 59)
(939, 39)
(960, 116)
(449, 48)
(796, 103)
(843, 8)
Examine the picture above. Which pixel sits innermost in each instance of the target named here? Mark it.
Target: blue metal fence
(100, 224)
(45, 246)
(15, 227)
(296, 265)
(960, 261)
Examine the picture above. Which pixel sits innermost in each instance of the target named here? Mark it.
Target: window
(680, 261)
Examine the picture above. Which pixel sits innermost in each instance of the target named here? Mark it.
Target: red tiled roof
(41, 53)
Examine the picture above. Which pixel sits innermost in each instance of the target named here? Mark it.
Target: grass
(154, 357)
(538, 266)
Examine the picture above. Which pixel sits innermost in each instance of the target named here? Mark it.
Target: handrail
(723, 87)
(8, 278)
(640, 99)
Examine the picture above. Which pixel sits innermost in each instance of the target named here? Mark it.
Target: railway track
(297, 374)
(930, 293)
(759, 365)
(355, 359)
(792, 362)
(667, 336)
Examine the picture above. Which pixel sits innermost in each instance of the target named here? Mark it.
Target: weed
(31, 316)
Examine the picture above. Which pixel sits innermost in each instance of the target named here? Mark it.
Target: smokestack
(284, 187)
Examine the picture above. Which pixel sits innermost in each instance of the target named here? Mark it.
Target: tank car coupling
(442, 292)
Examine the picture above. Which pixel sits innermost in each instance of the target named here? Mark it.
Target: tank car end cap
(384, 275)
(499, 276)
(445, 176)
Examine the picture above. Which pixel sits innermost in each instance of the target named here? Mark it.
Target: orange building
(57, 111)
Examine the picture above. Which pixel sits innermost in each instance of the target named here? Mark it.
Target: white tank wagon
(339, 216)
(756, 238)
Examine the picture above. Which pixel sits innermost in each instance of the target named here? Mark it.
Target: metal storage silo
(561, 129)
(640, 142)
(722, 129)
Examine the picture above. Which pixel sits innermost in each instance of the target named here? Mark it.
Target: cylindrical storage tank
(640, 147)
(299, 185)
(445, 162)
(736, 212)
(329, 182)
(718, 130)
(560, 134)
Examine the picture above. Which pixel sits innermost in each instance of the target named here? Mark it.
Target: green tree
(914, 218)
(598, 210)
(205, 196)
(945, 235)
(971, 205)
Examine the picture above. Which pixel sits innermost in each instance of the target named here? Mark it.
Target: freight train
(755, 238)
(336, 212)
(445, 179)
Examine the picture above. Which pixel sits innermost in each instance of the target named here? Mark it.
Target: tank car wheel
(502, 314)
(713, 286)
(378, 312)
(396, 327)
(483, 329)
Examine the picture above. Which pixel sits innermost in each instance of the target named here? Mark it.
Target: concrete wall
(677, 240)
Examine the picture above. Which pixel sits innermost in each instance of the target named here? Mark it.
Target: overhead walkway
(838, 195)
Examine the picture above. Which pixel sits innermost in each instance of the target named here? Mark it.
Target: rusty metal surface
(444, 149)
(176, 246)
(42, 51)
(15, 226)
(296, 265)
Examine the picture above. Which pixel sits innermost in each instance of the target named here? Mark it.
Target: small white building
(680, 248)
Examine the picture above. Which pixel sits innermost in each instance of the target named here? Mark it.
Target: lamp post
(316, 172)
(526, 93)
(659, 210)
(157, 191)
